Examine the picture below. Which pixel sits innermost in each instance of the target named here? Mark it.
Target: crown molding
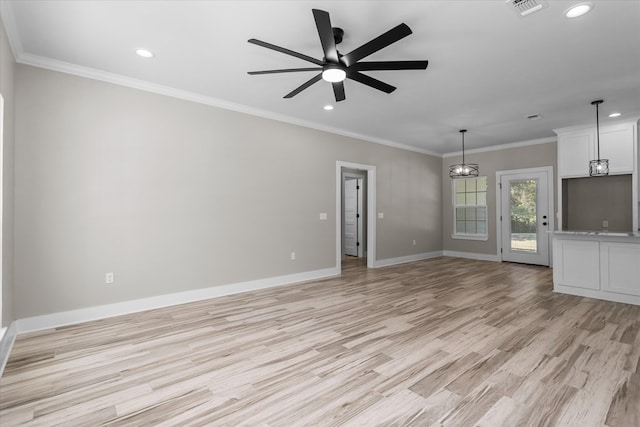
(603, 123)
(118, 79)
(504, 146)
(9, 21)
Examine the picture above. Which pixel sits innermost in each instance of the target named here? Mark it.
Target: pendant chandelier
(598, 167)
(464, 170)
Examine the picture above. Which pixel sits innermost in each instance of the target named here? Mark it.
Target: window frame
(469, 236)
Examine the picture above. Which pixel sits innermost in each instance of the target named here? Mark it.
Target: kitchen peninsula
(597, 265)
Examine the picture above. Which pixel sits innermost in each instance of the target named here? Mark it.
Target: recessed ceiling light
(144, 53)
(328, 107)
(578, 10)
(615, 114)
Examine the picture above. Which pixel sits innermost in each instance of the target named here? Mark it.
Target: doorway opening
(355, 213)
(525, 215)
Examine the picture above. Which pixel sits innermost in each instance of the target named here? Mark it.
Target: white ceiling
(488, 67)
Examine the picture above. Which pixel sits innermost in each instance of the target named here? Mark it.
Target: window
(470, 208)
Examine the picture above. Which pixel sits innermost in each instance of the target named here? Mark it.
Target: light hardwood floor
(438, 342)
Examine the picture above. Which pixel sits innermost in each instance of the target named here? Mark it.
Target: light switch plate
(380, 215)
(323, 216)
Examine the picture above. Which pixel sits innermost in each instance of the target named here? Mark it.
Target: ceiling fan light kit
(333, 73)
(336, 67)
(464, 170)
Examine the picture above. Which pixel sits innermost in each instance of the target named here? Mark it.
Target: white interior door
(350, 232)
(525, 217)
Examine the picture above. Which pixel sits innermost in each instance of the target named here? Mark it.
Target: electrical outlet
(605, 223)
(109, 278)
(380, 215)
(414, 243)
(293, 256)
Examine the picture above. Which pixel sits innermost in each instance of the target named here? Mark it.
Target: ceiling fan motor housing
(338, 33)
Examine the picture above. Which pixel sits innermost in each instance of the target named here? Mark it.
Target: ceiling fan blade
(389, 65)
(338, 91)
(393, 35)
(287, 70)
(285, 51)
(370, 81)
(325, 31)
(304, 86)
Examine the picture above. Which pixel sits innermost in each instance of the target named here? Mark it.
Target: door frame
(550, 195)
(371, 209)
(2, 326)
(361, 176)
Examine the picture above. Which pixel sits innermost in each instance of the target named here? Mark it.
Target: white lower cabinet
(576, 263)
(620, 267)
(602, 269)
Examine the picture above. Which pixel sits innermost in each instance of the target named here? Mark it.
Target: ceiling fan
(336, 67)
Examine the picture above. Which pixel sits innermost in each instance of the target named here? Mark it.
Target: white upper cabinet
(575, 149)
(577, 146)
(617, 145)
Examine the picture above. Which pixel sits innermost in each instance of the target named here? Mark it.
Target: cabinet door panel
(620, 267)
(574, 152)
(576, 263)
(616, 144)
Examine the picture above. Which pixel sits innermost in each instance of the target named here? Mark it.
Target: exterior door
(525, 217)
(350, 231)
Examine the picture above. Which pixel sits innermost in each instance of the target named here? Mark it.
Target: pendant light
(598, 167)
(464, 170)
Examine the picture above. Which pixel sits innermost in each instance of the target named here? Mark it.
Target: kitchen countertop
(599, 235)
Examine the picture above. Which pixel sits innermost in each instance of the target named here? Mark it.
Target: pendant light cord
(463, 148)
(597, 104)
(598, 129)
(462, 131)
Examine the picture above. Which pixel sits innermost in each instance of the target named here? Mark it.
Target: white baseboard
(6, 343)
(472, 255)
(48, 321)
(405, 259)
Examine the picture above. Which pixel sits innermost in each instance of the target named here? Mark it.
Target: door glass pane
(523, 213)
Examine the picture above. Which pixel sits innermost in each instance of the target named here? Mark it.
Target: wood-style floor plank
(440, 342)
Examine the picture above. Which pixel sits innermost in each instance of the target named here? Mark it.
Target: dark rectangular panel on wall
(588, 202)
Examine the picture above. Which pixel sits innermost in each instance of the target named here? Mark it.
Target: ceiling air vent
(525, 7)
(534, 117)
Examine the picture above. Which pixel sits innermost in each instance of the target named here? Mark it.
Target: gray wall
(490, 162)
(173, 196)
(7, 66)
(589, 201)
